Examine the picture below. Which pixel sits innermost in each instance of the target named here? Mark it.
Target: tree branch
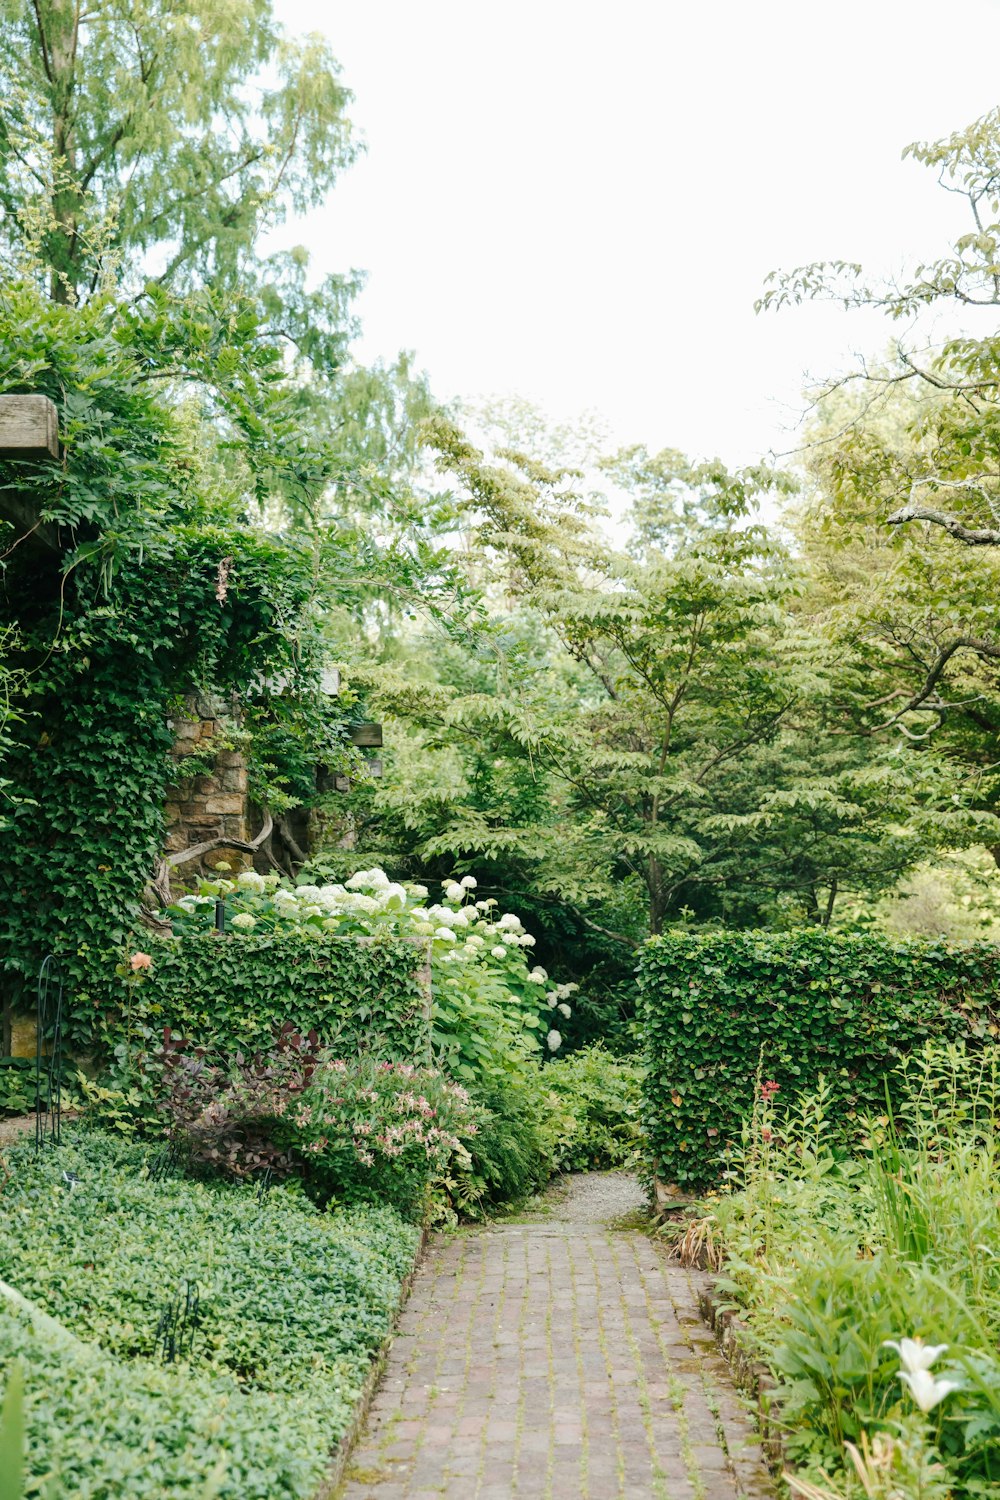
(972, 537)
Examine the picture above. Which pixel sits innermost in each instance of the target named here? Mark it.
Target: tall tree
(159, 134)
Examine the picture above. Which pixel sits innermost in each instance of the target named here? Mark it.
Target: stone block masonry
(212, 801)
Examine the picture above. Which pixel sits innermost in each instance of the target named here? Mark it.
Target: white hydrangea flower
(499, 951)
(454, 893)
(460, 918)
(509, 923)
(469, 882)
(537, 976)
(420, 891)
(445, 934)
(485, 906)
(331, 897)
(272, 881)
(243, 921)
(394, 895)
(526, 940)
(564, 1010)
(307, 892)
(365, 906)
(475, 942)
(553, 1041)
(249, 880)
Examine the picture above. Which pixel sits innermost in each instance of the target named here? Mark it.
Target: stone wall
(213, 801)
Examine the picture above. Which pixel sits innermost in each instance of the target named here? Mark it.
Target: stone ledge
(750, 1375)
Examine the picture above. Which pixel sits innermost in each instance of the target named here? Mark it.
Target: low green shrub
(513, 1152)
(713, 1005)
(292, 1305)
(598, 1096)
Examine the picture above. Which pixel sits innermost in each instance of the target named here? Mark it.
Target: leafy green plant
(857, 1273)
(599, 1097)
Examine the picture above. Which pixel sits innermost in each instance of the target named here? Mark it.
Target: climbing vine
(173, 426)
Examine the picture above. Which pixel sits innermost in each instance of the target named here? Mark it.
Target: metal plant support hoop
(48, 1018)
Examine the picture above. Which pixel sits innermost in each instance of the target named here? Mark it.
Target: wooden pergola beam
(29, 430)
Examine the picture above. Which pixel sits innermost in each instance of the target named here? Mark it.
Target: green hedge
(234, 991)
(711, 1006)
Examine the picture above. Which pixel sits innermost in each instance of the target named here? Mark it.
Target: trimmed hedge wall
(710, 1005)
(233, 991)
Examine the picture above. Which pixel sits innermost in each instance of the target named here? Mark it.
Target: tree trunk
(60, 26)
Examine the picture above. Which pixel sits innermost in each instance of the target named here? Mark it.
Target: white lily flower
(925, 1390)
(914, 1354)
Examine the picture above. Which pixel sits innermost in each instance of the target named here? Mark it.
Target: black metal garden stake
(48, 1017)
(178, 1323)
(220, 914)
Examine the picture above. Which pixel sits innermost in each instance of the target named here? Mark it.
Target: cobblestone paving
(555, 1359)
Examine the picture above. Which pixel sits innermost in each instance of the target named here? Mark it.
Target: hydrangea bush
(493, 1009)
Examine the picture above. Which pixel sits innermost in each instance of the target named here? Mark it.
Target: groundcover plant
(271, 1310)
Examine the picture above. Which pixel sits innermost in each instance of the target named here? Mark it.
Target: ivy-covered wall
(234, 991)
(715, 1008)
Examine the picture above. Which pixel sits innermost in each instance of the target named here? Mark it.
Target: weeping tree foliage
(158, 132)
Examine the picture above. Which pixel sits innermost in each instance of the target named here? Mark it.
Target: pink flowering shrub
(381, 1131)
(357, 1130)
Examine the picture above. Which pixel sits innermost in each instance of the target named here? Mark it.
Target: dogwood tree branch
(986, 536)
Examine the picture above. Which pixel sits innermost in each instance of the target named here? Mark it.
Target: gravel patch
(597, 1198)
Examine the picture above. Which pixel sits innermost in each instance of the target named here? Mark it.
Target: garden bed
(277, 1312)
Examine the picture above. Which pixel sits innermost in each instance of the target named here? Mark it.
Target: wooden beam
(369, 736)
(29, 427)
(29, 430)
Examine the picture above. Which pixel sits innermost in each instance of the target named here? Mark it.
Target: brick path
(555, 1359)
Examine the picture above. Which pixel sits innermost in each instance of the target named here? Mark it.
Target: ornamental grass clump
(869, 1279)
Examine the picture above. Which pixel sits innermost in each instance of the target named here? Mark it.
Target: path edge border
(331, 1483)
(750, 1375)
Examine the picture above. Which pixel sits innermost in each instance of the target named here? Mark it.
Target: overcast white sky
(579, 203)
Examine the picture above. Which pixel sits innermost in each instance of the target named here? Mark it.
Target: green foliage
(715, 1008)
(170, 588)
(293, 1304)
(512, 1154)
(833, 1259)
(598, 1097)
(236, 991)
(160, 136)
(379, 1132)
